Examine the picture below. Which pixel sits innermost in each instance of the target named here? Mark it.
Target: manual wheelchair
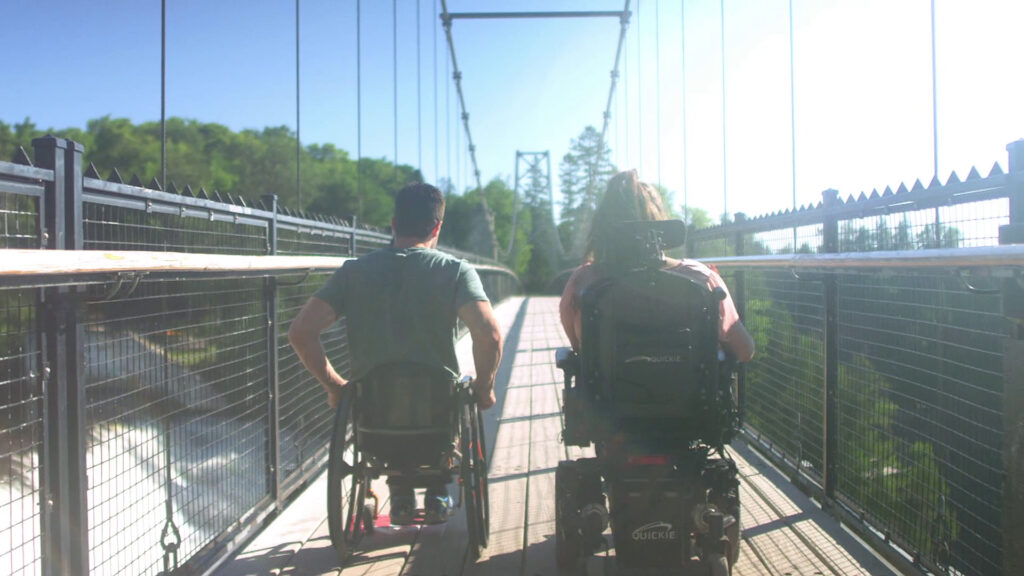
(408, 420)
(652, 391)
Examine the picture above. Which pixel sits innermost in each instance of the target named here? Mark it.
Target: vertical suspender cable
(657, 81)
(458, 158)
(394, 80)
(725, 187)
(935, 101)
(457, 76)
(595, 165)
(359, 107)
(436, 148)
(170, 538)
(419, 95)
(298, 137)
(792, 113)
(935, 127)
(163, 93)
(639, 95)
(619, 134)
(682, 36)
(448, 121)
(625, 102)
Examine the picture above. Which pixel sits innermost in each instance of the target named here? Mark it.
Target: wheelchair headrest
(642, 243)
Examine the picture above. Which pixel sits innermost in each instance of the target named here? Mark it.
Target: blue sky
(862, 84)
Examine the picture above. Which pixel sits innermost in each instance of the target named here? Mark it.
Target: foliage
(583, 172)
(249, 163)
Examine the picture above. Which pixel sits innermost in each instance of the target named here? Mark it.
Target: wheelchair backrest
(649, 354)
(406, 396)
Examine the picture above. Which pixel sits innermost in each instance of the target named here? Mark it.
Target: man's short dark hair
(418, 208)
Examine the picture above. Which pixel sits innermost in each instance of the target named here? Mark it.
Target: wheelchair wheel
(346, 486)
(481, 465)
(568, 540)
(474, 479)
(718, 565)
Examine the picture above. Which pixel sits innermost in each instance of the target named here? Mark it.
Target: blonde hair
(625, 199)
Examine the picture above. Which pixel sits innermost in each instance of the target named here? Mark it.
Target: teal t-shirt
(402, 305)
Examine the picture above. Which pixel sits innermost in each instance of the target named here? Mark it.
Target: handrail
(974, 257)
(53, 267)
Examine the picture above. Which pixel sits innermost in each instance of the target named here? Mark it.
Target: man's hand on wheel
(484, 396)
(334, 392)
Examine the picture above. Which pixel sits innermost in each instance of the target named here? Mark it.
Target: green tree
(583, 173)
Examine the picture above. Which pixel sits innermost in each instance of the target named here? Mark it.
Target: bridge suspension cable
(436, 146)
(682, 36)
(657, 82)
(725, 172)
(792, 113)
(639, 95)
(394, 81)
(359, 105)
(419, 95)
(623, 27)
(446, 18)
(298, 108)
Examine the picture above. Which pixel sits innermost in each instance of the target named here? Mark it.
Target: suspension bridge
(154, 419)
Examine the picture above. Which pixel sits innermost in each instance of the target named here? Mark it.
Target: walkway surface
(783, 531)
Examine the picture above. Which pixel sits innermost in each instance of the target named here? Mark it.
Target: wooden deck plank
(505, 550)
(274, 548)
(441, 550)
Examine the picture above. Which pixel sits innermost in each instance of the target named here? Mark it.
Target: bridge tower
(533, 189)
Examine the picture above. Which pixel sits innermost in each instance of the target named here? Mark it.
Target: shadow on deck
(783, 531)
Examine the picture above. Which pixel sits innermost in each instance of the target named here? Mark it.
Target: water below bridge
(783, 531)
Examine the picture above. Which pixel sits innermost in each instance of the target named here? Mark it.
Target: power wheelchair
(659, 401)
(407, 420)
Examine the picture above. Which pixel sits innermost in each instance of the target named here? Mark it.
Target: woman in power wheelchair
(416, 425)
(650, 382)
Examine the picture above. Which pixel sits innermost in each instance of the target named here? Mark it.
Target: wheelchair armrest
(569, 363)
(566, 359)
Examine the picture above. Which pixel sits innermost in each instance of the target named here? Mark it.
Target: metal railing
(152, 413)
(888, 372)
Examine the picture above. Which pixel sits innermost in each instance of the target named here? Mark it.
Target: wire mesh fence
(182, 415)
(919, 396)
(784, 387)
(883, 387)
(19, 219)
(305, 419)
(921, 419)
(177, 408)
(22, 413)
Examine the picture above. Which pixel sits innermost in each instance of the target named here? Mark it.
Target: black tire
(481, 464)
(369, 518)
(718, 565)
(474, 480)
(733, 533)
(568, 540)
(345, 485)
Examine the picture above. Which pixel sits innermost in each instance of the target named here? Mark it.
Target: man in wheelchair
(401, 305)
(649, 382)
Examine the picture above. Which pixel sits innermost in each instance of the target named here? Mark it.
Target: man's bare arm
(304, 336)
(486, 336)
(739, 342)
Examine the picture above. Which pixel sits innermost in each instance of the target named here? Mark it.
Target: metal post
(64, 484)
(830, 238)
(352, 238)
(1013, 233)
(273, 366)
(1013, 370)
(739, 298)
(49, 153)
